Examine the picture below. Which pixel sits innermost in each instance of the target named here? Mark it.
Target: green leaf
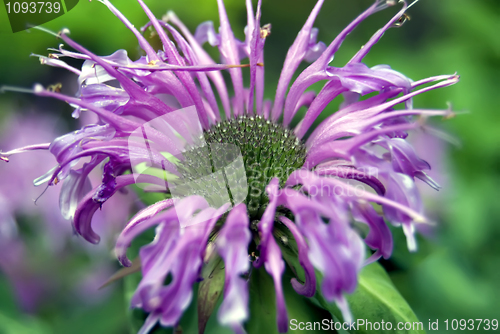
(107, 316)
(210, 290)
(8, 304)
(12, 320)
(263, 306)
(21, 324)
(149, 198)
(136, 316)
(374, 300)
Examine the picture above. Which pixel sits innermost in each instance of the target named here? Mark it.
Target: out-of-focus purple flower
(17, 196)
(53, 232)
(28, 287)
(299, 180)
(16, 178)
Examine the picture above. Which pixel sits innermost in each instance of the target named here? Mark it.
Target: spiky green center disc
(268, 150)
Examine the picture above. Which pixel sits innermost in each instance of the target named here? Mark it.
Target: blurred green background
(456, 273)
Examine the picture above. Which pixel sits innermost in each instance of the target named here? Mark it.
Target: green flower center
(267, 149)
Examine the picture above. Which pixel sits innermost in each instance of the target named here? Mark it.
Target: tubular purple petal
(175, 58)
(229, 51)
(352, 173)
(324, 132)
(149, 323)
(136, 93)
(379, 237)
(344, 149)
(103, 96)
(405, 160)
(179, 255)
(267, 221)
(5, 155)
(123, 241)
(256, 55)
(307, 289)
(74, 188)
(66, 147)
(358, 78)
(402, 189)
(305, 101)
(294, 57)
(56, 63)
(232, 245)
(275, 266)
(378, 35)
(249, 29)
(142, 41)
(308, 179)
(314, 49)
(202, 77)
(87, 207)
(204, 58)
(117, 122)
(316, 71)
(335, 249)
(270, 254)
(350, 108)
(329, 92)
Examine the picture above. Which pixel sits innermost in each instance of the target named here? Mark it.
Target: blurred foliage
(456, 272)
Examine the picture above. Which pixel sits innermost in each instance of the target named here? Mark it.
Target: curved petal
(402, 189)
(275, 266)
(229, 51)
(270, 254)
(354, 174)
(124, 239)
(74, 188)
(232, 245)
(307, 289)
(176, 252)
(334, 187)
(335, 249)
(379, 237)
(87, 207)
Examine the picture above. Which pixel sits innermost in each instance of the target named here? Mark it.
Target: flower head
(239, 182)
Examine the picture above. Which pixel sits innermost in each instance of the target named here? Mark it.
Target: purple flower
(309, 186)
(30, 277)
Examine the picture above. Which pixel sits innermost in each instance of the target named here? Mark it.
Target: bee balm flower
(299, 184)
